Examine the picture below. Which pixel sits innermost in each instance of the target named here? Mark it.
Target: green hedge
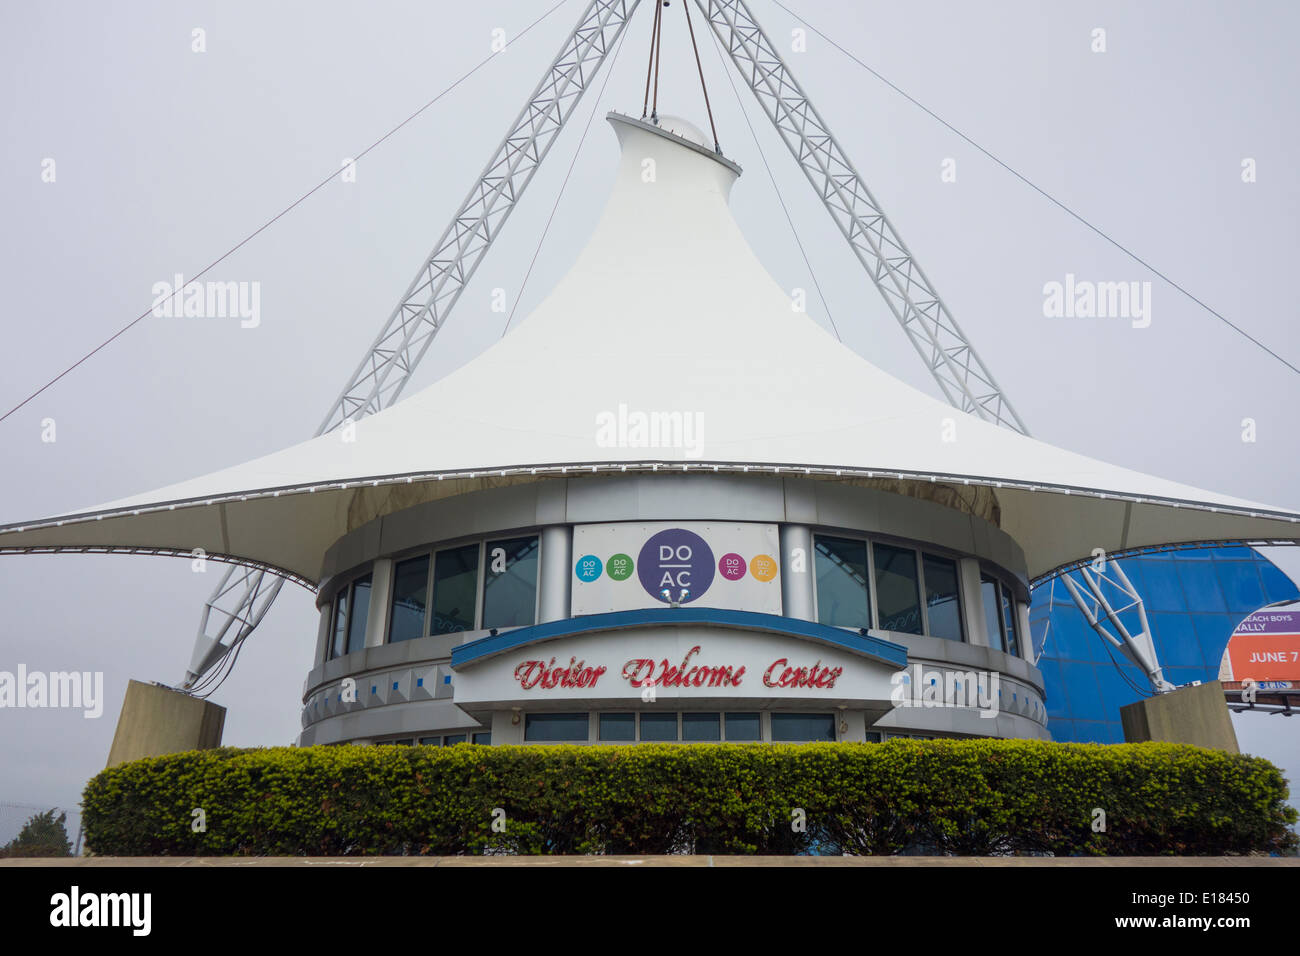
(957, 796)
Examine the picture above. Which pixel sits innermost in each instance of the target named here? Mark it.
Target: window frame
(1010, 628)
(919, 551)
(835, 725)
(555, 713)
(348, 592)
(352, 610)
(478, 585)
(1003, 592)
(594, 737)
(392, 592)
(758, 715)
(537, 587)
(920, 585)
(677, 725)
(339, 602)
(602, 714)
(721, 720)
(925, 604)
(431, 551)
(989, 578)
(871, 578)
(427, 740)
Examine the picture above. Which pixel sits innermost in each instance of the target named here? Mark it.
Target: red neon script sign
(639, 672)
(647, 672)
(815, 676)
(532, 674)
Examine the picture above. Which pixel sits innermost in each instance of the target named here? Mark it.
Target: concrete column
(797, 585)
(1189, 715)
(972, 605)
(555, 574)
(381, 586)
(158, 720)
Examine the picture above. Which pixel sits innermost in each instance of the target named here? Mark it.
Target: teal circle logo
(619, 567)
(588, 568)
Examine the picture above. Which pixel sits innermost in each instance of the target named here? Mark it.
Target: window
(1011, 625)
(842, 595)
(894, 579)
(992, 615)
(510, 583)
(697, 727)
(942, 601)
(618, 727)
(462, 588)
(898, 601)
(658, 727)
(360, 609)
(743, 727)
(625, 727)
(798, 728)
(348, 618)
(455, 590)
(555, 728)
(448, 740)
(339, 624)
(1000, 615)
(410, 594)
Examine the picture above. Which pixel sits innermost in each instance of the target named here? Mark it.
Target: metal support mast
(387, 367)
(952, 360)
(1099, 610)
(244, 595)
(944, 348)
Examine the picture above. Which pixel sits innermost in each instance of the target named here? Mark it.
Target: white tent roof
(666, 310)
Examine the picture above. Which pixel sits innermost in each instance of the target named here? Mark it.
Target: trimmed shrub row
(941, 796)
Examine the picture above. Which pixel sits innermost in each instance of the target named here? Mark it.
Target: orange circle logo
(763, 567)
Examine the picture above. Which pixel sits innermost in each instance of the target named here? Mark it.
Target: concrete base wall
(1190, 715)
(157, 720)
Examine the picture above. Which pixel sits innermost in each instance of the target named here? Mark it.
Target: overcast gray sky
(164, 158)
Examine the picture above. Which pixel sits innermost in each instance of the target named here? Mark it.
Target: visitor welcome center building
(667, 506)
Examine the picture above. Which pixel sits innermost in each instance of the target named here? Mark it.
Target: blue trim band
(886, 652)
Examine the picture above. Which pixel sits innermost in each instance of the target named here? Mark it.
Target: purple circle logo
(677, 561)
(732, 566)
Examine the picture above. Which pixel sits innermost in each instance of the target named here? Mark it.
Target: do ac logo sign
(678, 560)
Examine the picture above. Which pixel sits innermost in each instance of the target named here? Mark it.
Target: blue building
(1194, 599)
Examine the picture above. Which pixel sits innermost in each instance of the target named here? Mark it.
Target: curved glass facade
(393, 622)
(1194, 599)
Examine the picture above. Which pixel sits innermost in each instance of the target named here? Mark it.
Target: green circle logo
(619, 567)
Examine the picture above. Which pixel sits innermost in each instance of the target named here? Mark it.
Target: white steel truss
(947, 353)
(234, 610)
(244, 594)
(243, 597)
(387, 367)
(1099, 610)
